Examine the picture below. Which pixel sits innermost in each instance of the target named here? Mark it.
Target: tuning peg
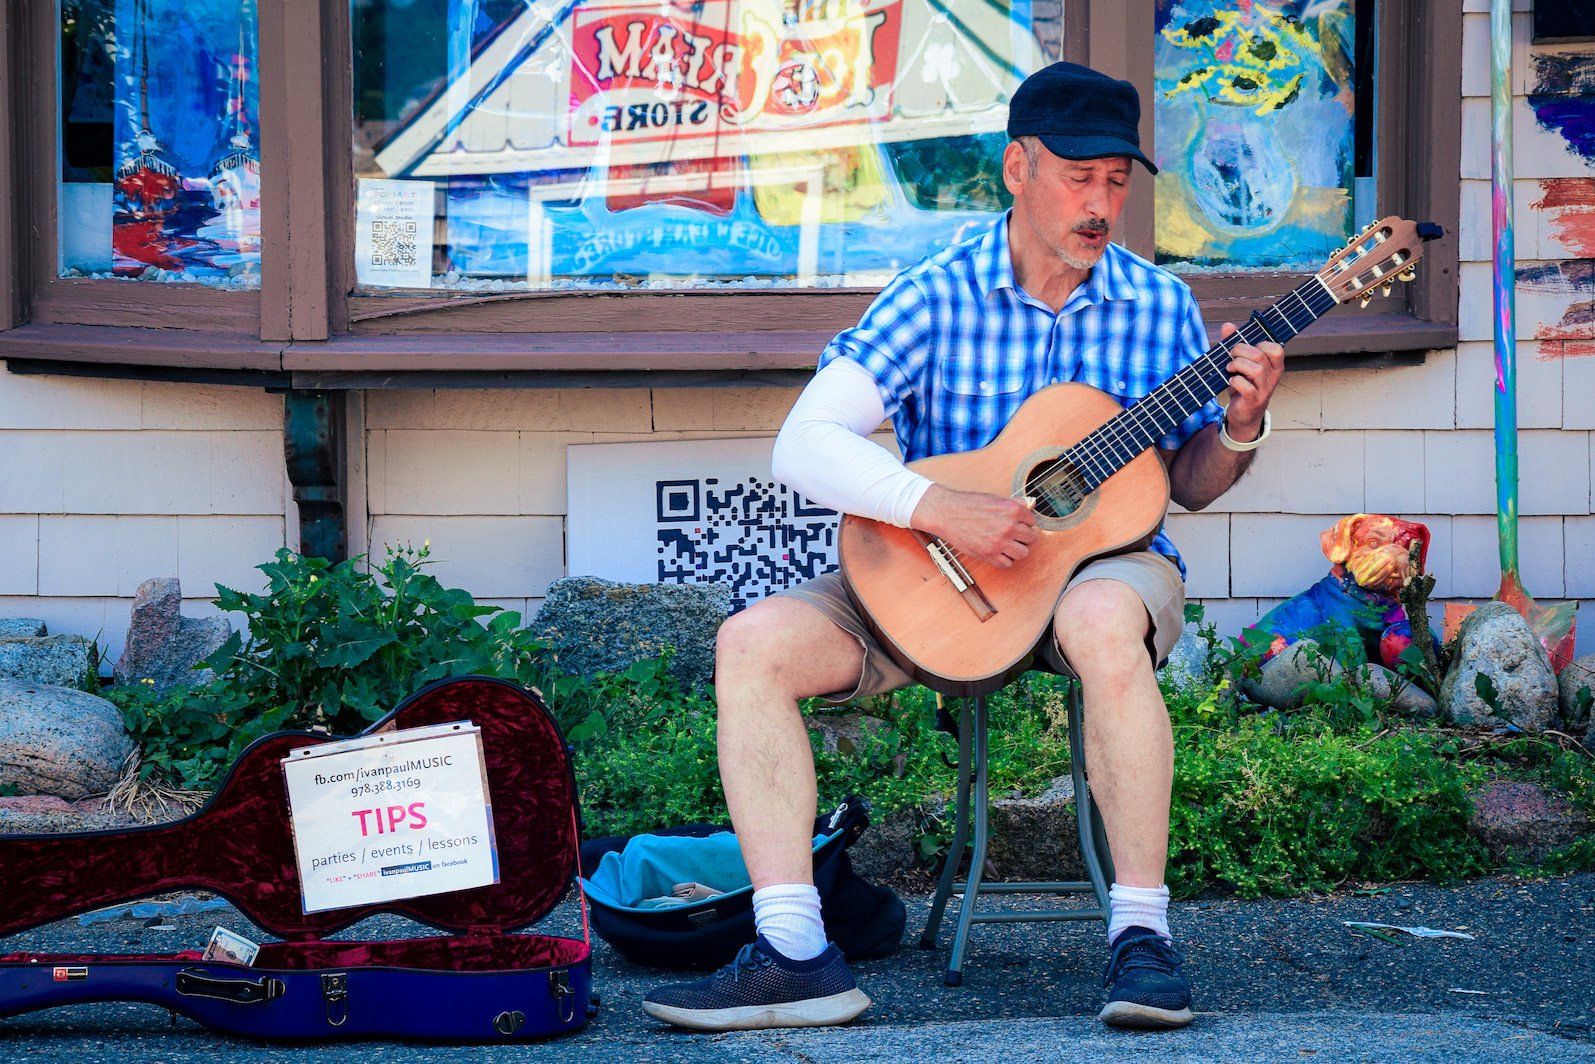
(1409, 274)
(1367, 297)
(1387, 288)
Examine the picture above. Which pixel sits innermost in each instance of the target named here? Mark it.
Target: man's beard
(1085, 262)
(1081, 262)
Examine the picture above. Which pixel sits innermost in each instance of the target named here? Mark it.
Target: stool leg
(977, 860)
(955, 851)
(1093, 837)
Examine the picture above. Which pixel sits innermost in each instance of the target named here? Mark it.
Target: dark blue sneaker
(1147, 988)
(762, 989)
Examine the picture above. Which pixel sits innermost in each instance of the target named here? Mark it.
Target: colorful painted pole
(1555, 625)
(1505, 307)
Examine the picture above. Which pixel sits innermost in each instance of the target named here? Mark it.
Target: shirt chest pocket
(974, 399)
(982, 375)
(1111, 371)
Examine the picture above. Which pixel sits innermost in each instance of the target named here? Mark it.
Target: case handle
(194, 983)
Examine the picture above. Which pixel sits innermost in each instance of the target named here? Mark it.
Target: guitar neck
(1115, 444)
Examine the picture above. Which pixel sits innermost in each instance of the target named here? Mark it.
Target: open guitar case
(477, 982)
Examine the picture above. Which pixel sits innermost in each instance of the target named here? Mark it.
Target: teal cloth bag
(649, 866)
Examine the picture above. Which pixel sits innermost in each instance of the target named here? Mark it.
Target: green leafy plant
(1272, 807)
(329, 647)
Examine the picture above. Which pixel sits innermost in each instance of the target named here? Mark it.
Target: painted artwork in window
(622, 144)
(160, 167)
(1262, 132)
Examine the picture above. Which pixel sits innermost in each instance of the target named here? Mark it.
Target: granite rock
(1524, 821)
(888, 848)
(844, 733)
(1282, 679)
(162, 645)
(59, 660)
(1036, 838)
(1187, 662)
(41, 814)
(1579, 674)
(60, 741)
(593, 625)
(1497, 642)
(1285, 678)
(23, 627)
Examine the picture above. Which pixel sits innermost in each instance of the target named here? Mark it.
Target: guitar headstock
(1382, 254)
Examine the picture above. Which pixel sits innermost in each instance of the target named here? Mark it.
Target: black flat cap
(1078, 113)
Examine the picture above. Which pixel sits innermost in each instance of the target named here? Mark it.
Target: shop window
(159, 151)
(504, 145)
(1264, 118)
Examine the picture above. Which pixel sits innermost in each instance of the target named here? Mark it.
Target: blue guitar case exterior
(477, 982)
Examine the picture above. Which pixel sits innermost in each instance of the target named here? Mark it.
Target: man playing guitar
(949, 350)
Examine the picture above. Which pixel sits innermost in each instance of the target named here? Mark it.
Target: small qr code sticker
(756, 536)
(392, 243)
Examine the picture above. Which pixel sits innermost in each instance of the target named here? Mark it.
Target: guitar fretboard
(1107, 450)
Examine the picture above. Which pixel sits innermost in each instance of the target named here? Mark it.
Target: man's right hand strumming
(995, 530)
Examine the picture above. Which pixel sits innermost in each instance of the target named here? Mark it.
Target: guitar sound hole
(1056, 488)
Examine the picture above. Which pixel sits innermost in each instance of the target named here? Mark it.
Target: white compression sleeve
(824, 451)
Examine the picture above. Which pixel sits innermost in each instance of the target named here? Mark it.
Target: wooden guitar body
(921, 618)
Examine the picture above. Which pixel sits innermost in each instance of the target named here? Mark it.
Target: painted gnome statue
(1371, 561)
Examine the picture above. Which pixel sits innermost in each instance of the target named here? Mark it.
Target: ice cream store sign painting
(722, 143)
(640, 75)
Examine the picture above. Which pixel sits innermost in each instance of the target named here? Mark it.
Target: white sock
(788, 916)
(1137, 907)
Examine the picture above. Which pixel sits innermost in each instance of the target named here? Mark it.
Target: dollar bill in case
(226, 946)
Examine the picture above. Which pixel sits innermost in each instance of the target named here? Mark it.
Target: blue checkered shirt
(955, 345)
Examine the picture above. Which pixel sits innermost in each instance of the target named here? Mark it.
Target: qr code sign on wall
(692, 512)
(755, 536)
(392, 242)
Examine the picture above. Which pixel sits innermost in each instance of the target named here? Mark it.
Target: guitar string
(1133, 430)
(1208, 363)
(1128, 421)
(1125, 437)
(1123, 432)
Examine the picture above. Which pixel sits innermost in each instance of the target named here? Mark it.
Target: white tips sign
(397, 815)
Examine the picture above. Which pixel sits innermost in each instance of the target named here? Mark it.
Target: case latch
(564, 997)
(507, 1023)
(335, 997)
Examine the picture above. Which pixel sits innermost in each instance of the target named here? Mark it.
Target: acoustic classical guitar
(963, 627)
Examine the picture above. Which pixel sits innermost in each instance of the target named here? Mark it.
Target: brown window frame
(305, 320)
(1419, 99)
(46, 297)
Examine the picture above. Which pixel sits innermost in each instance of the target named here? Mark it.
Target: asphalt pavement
(1275, 981)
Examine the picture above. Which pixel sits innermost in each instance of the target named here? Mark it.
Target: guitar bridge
(953, 570)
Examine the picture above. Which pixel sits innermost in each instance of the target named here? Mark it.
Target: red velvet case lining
(240, 844)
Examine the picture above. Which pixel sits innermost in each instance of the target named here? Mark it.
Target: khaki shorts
(1152, 576)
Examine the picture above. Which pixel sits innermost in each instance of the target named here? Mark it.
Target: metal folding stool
(972, 769)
